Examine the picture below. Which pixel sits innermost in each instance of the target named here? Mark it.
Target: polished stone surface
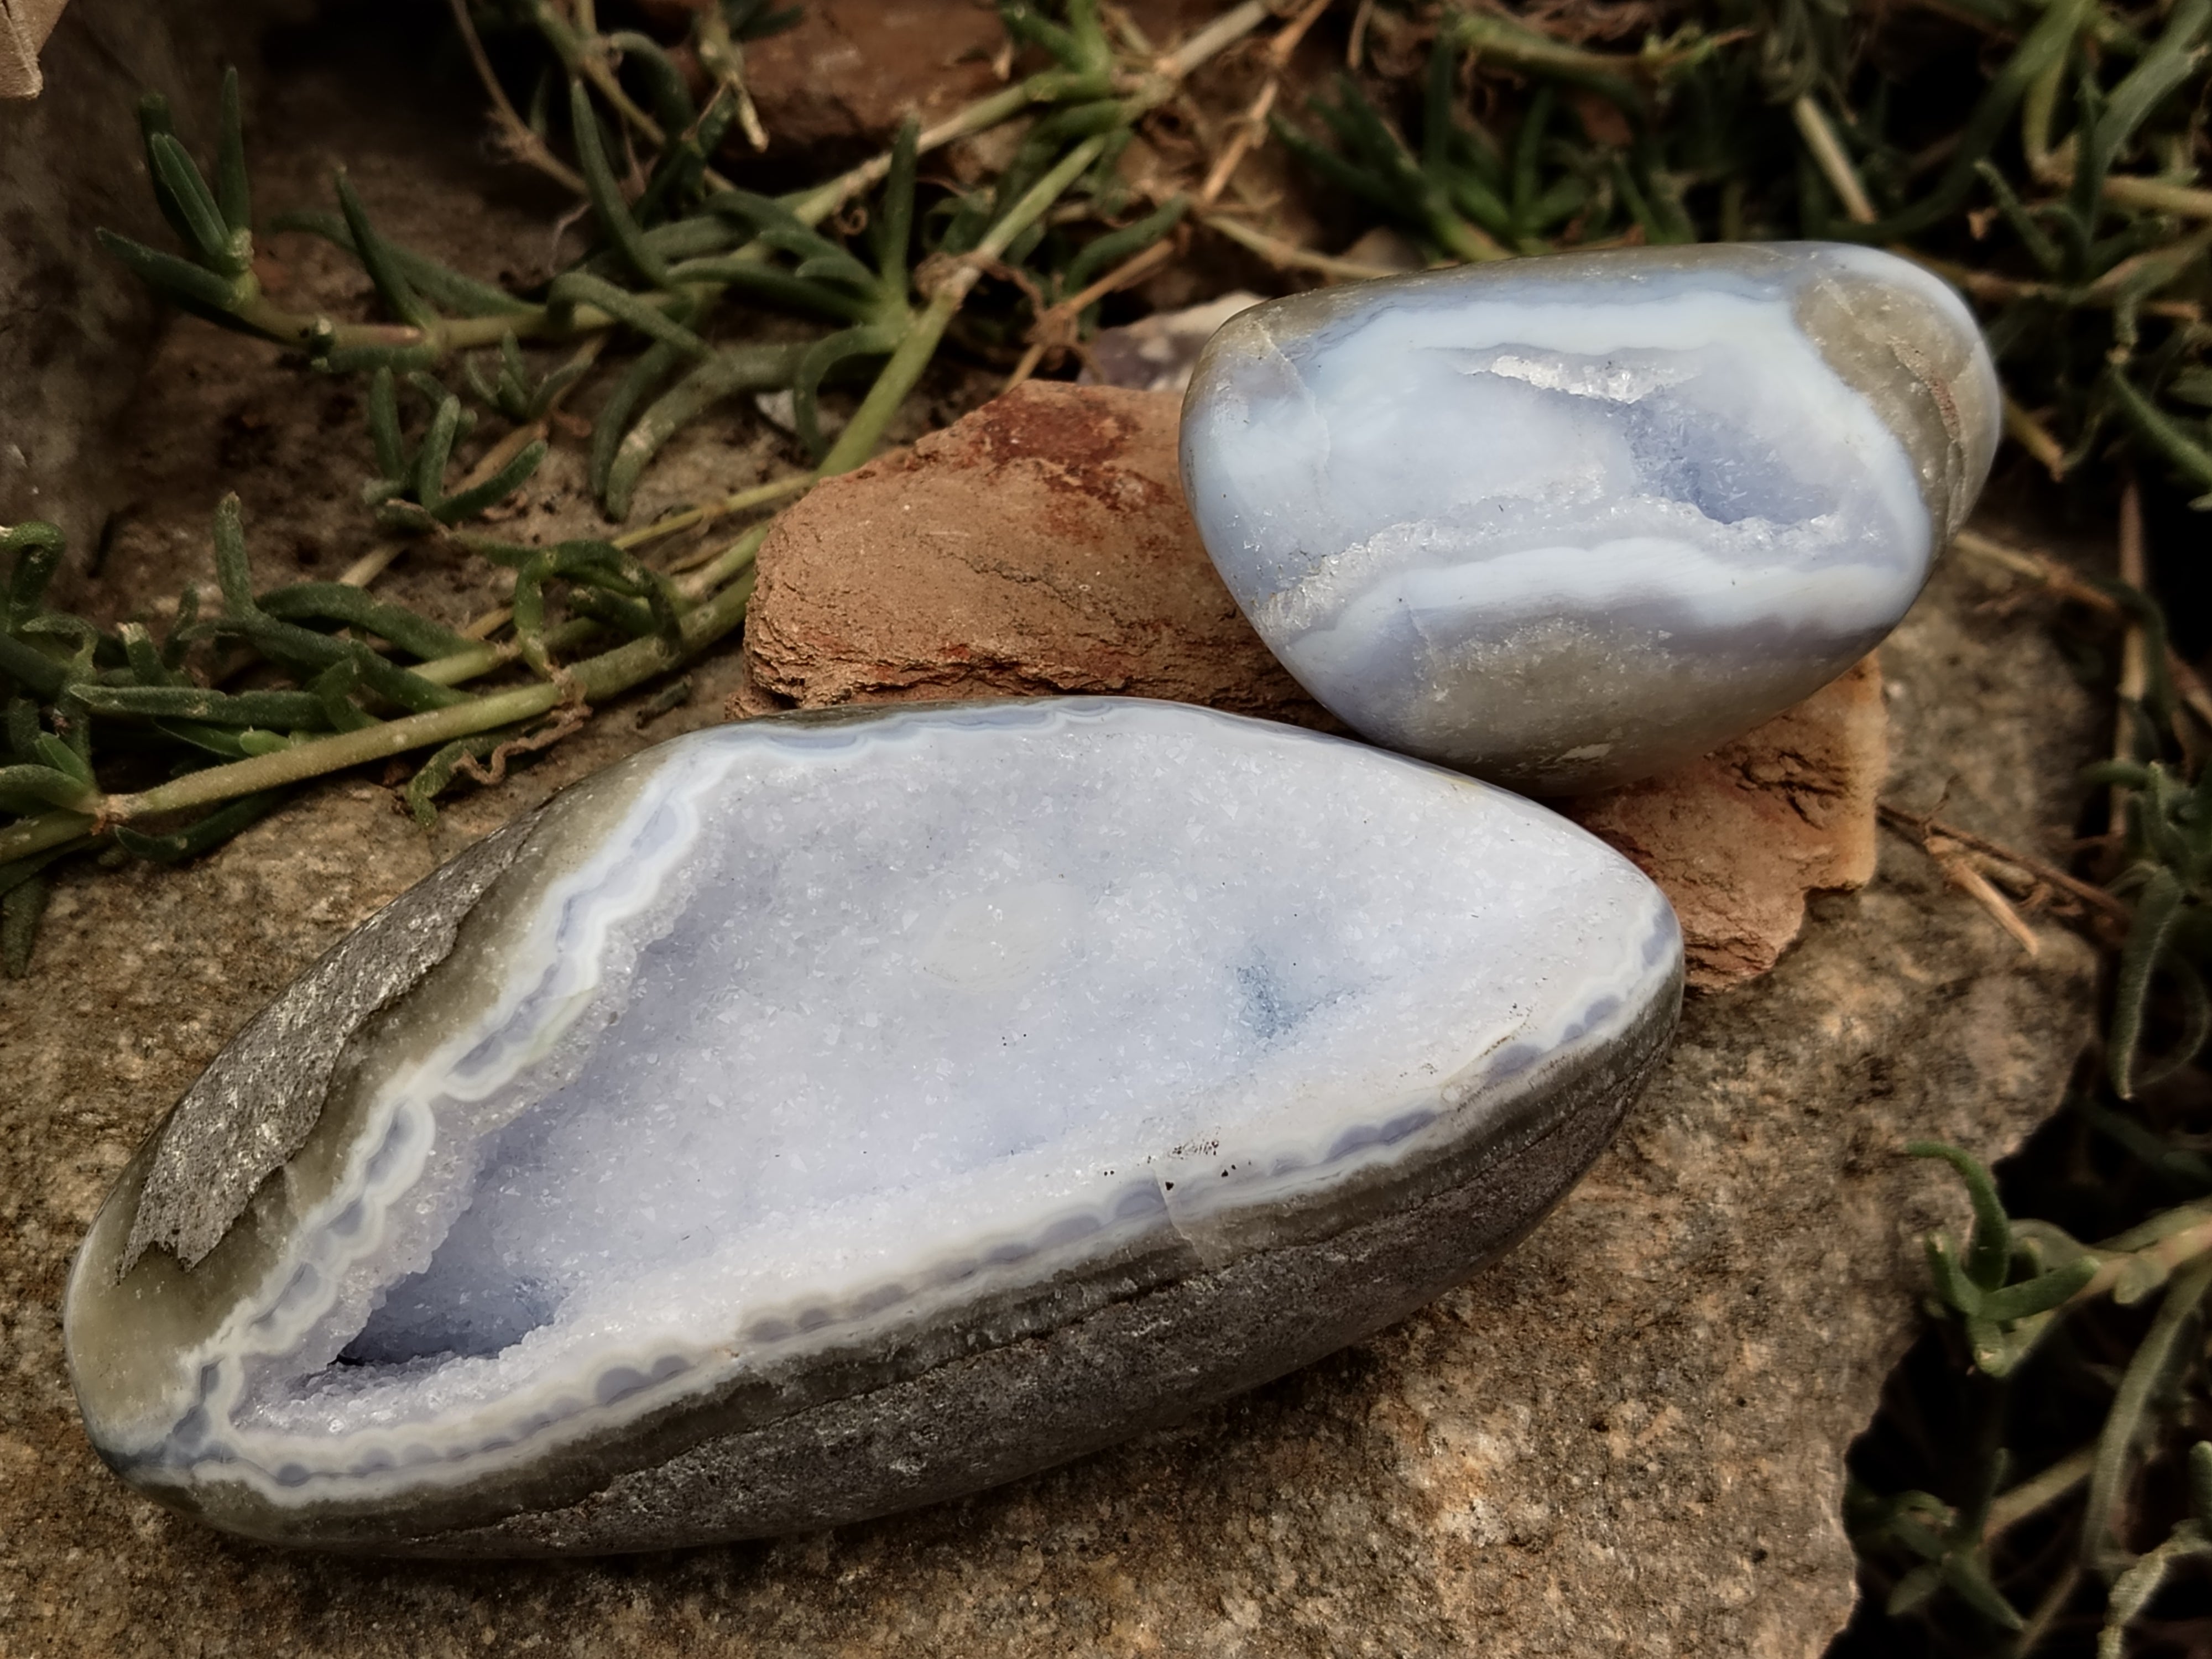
(814, 1116)
(1565, 522)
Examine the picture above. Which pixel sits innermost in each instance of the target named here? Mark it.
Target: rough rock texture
(1626, 1438)
(257, 1104)
(1042, 544)
(850, 71)
(1039, 545)
(24, 27)
(74, 325)
(1740, 837)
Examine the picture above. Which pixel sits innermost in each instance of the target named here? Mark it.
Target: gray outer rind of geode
(1565, 522)
(847, 1436)
(254, 1106)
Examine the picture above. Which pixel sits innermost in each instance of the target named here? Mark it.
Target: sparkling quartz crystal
(819, 1115)
(1568, 521)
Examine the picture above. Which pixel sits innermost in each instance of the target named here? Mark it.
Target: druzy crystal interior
(797, 1063)
(1566, 522)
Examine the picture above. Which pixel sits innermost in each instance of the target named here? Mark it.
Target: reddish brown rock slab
(849, 71)
(1040, 545)
(1740, 837)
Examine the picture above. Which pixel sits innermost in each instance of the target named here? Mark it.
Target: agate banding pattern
(811, 1117)
(1567, 521)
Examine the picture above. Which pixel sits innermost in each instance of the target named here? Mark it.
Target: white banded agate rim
(1567, 521)
(819, 1116)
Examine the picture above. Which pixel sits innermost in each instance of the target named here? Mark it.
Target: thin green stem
(816, 204)
(729, 563)
(2037, 1491)
(758, 495)
(904, 370)
(2116, 1446)
(597, 677)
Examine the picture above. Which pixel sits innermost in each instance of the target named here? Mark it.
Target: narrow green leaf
(2051, 42)
(53, 751)
(608, 204)
(1110, 250)
(33, 788)
(139, 650)
(23, 728)
(1989, 1254)
(732, 370)
(430, 460)
(432, 777)
(232, 568)
(495, 489)
(750, 22)
(351, 360)
(2161, 71)
(155, 121)
(208, 236)
(234, 195)
(173, 279)
(182, 632)
(31, 668)
(1527, 148)
(217, 740)
(1957, 1291)
(552, 386)
(575, 288)
(1913, 1591)
(384, 425)
(203, 835)
(665, 86)
(1031, 27)
(21, 908)
(2037, 1295)
(333, 689)
(191, 702)
(439, 284)
(336, 602)
(2158, 907)
(613, 422)
(376, 259)
(777, 287)
(2161, 430)
(892, 234)
(302, 647)
(512, 365)
(37, 548)
(1967, 1574)
(820, 359)
(2123, 1424)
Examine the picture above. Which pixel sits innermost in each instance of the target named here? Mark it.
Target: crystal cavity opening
(921, 1009)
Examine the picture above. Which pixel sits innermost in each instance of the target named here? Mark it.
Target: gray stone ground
(1625, 1438)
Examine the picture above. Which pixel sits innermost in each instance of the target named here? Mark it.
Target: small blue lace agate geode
(811, 1117)
(1566, 522)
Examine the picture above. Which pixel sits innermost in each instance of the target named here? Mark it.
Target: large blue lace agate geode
(809, 1118)
(1566, 521)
